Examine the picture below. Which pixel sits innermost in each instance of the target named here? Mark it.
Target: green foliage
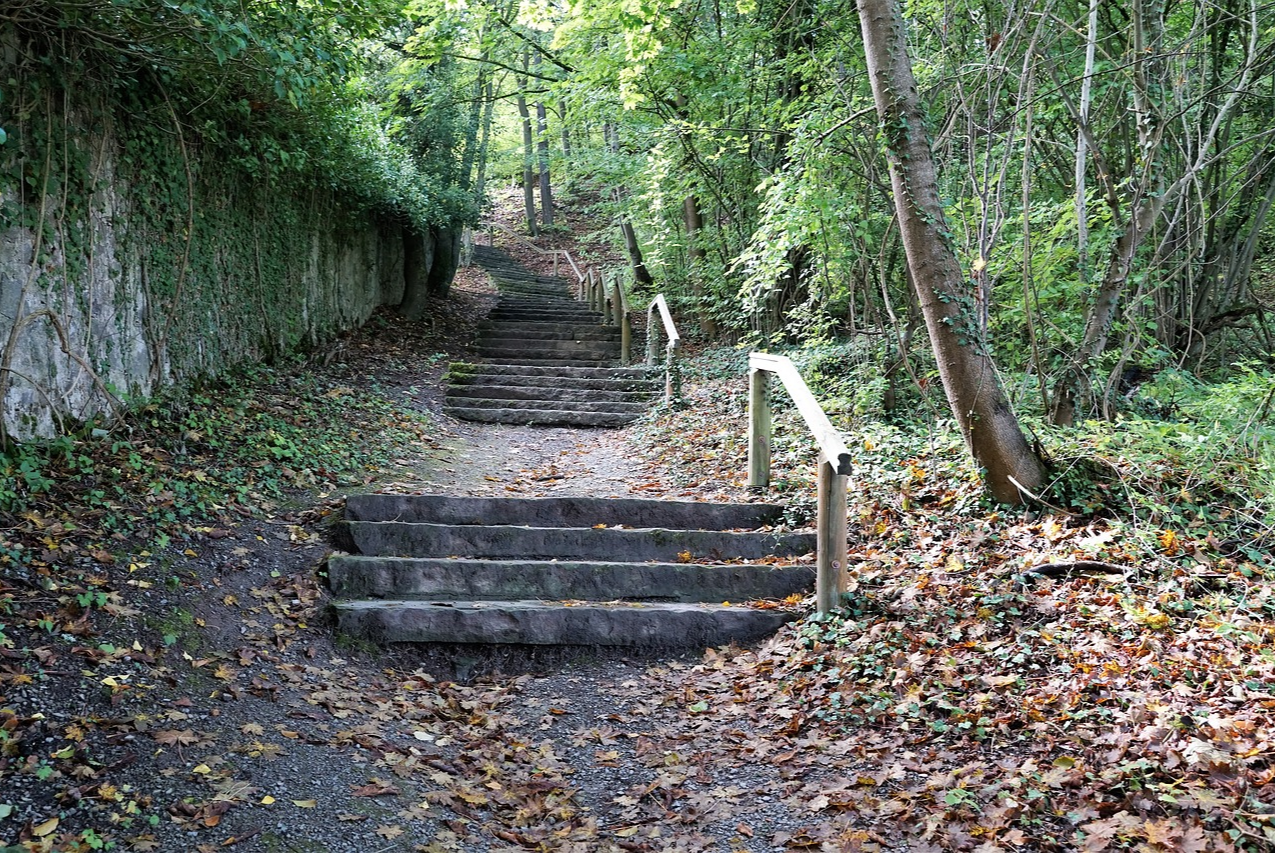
(271, 430)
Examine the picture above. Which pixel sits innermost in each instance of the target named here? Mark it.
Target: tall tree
(973, 390)
(528, 148)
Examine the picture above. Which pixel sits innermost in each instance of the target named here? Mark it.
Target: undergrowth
(234, 447)
(1185, 460)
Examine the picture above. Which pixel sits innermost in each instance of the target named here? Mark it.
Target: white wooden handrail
(831, 551)
(672, 384)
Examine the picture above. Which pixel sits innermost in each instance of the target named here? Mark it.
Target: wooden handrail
(591, 289)
(672, 383)
(831, 550)
(530, 245)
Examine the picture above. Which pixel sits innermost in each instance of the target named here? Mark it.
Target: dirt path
(217, 711)
(260, 734)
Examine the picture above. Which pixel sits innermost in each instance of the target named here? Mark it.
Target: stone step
(517, 350)
(633, 625)
(637, 373)
(539, 417)
(406, 539)
(571, 383)
(524, 293)
(559, 288)
(553, 362)
(510, 340)
(457, 393)
(352, 576)
(581, 317)
(550, 332)
(575, 406)
(562, 511)
(540, 302)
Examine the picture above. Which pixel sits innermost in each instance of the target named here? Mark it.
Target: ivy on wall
(186, 187)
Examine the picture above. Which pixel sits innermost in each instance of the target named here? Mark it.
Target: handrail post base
(831, 553)
(759, 430)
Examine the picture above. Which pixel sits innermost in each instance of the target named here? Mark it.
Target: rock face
(561, 571)
(545, 358)
(121, 289)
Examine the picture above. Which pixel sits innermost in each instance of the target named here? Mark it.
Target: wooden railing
(606, 298)
(831, 551)
(672, 378)
(556, 253)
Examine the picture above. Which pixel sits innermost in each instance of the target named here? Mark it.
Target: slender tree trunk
(472, 127)
(694, 222)
(1086, 99)
(566, 130)
(484, 143)
(542, 151)
(973, 390)
(641, 275)
(528, 152)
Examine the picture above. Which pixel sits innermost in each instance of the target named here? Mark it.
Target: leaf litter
(186, 695)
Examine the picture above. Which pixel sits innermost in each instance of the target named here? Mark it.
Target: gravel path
(222, 714)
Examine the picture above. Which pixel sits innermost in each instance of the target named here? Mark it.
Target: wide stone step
(550, 287)
(481, 580)
(513, 338)
(551, 332)
(528, 293)
(457, 393)
(404, 539)
(464, 368)
(581, 317)
(633, 409)
(539, 417)
(634, 625)
(514, 273)
(513, 351)
(553, 362)
(572, 383)
(562, 511)
(545, 298)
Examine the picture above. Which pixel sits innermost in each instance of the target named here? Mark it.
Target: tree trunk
(566, 130)
(446, 259)
(528, 153)
(694, 223)
(418, 264)
(973, 390)
(641, 275)
(484, 144)
(542, 152)
(470, 151)
(1086, 99)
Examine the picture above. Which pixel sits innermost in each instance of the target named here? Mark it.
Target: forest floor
(171, 683)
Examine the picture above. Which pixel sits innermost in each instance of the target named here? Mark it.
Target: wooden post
(670, 370)
(759, 429)
(555, 264)
(626, 331)
(617, 301)
(651, 348)
(831, 551)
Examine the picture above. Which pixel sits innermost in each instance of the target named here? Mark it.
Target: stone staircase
(573, 571)
(544, 358)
